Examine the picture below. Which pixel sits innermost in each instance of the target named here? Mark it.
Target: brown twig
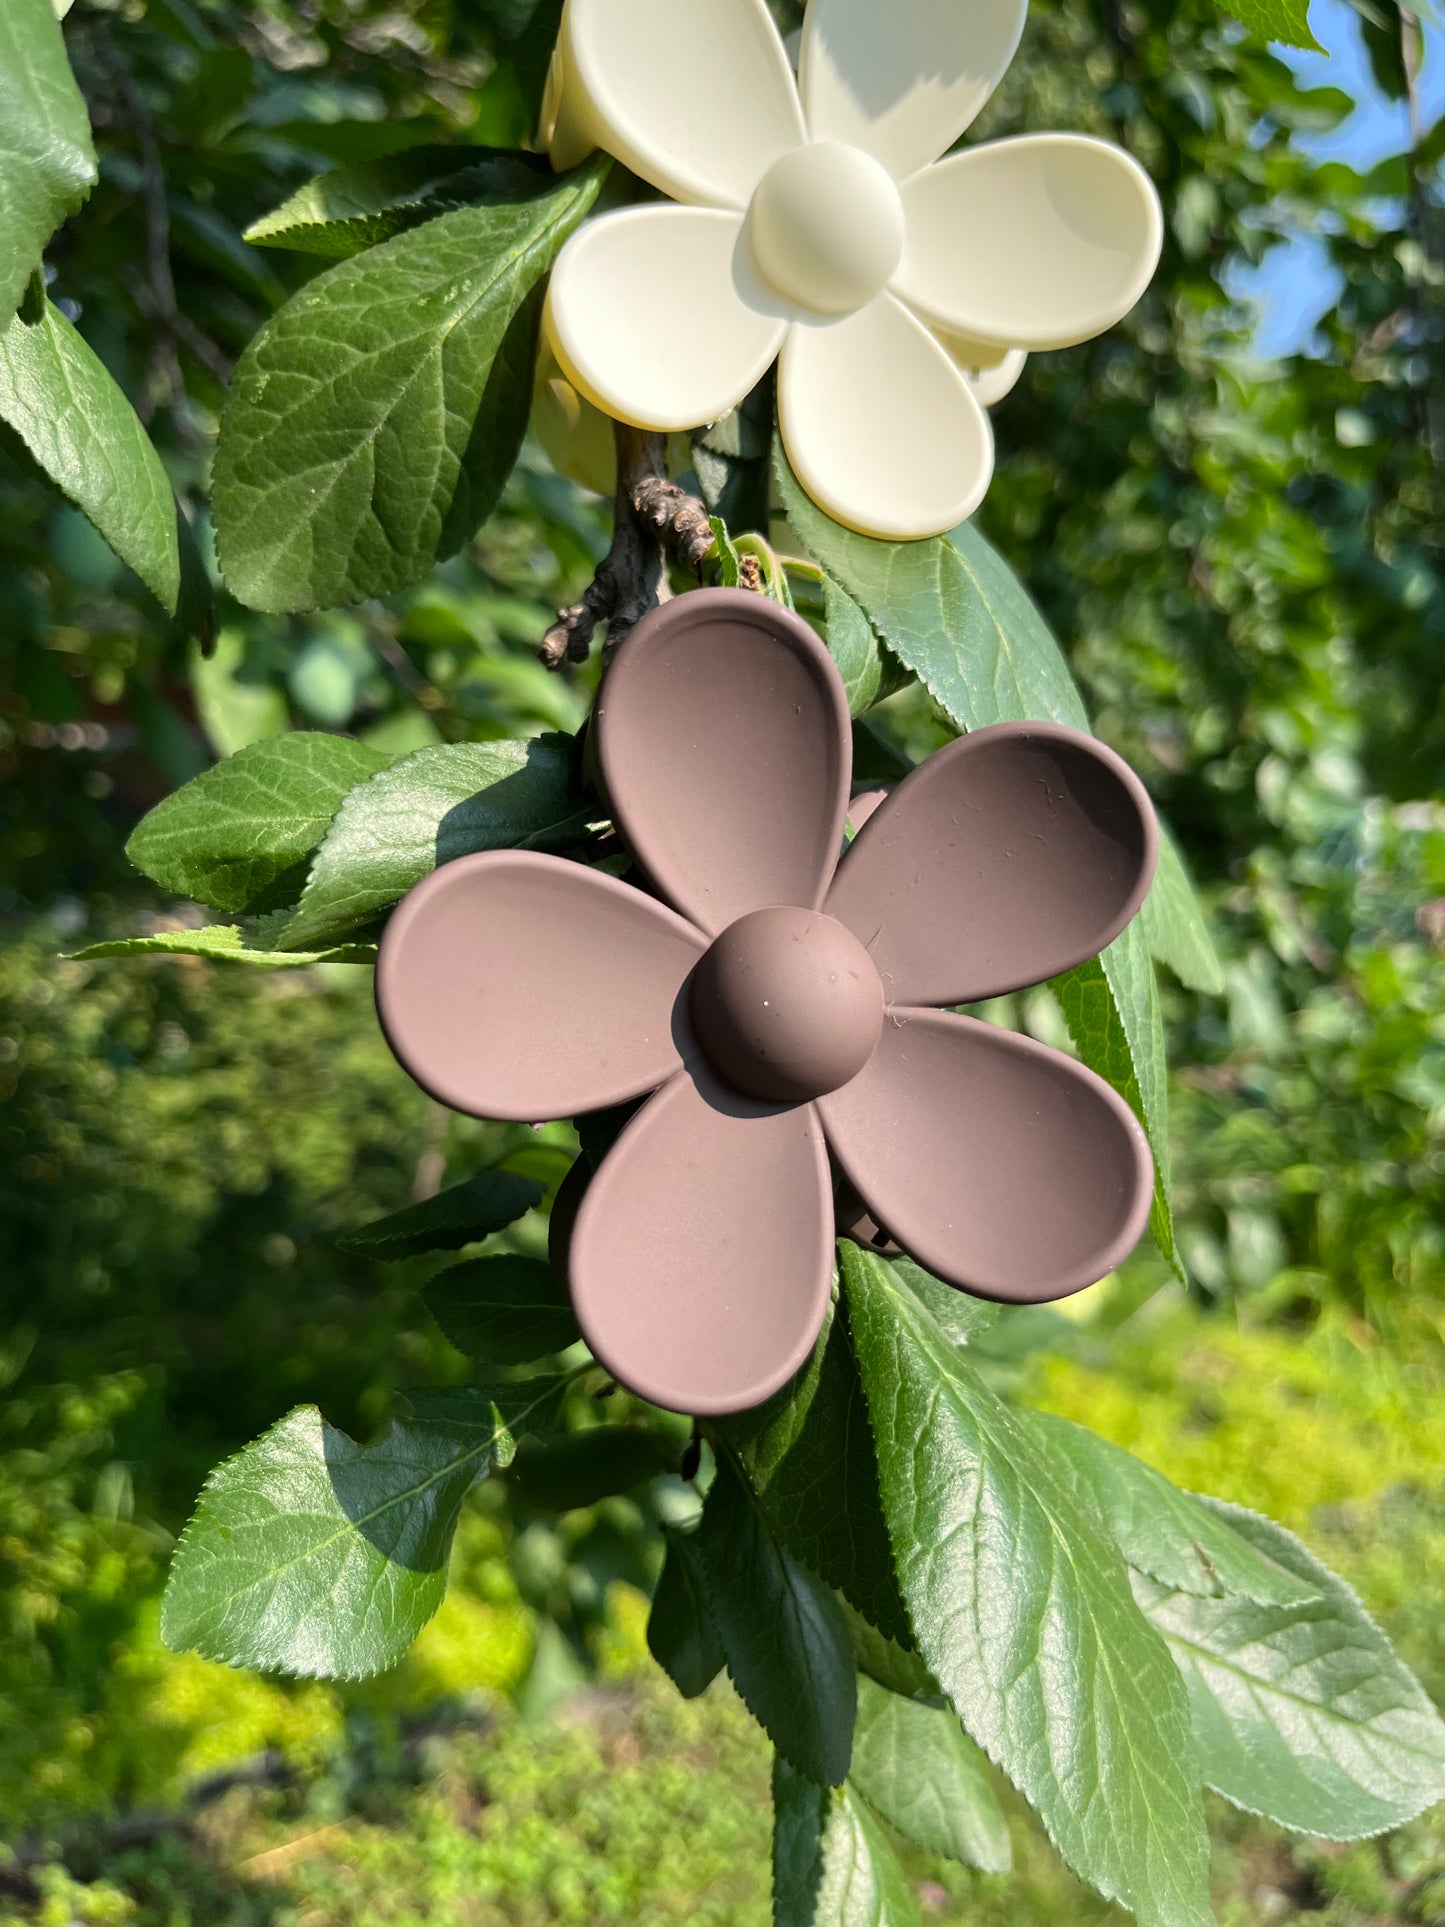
(655, 521)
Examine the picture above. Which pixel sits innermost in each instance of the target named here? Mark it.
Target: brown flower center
(787, 1005)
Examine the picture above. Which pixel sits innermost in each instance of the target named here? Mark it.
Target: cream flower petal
(903, 80)
(1037, 242)
(575, 434)
(992, 371)
(696, 96)
(576, 437)
(649, 316)
(881, 427)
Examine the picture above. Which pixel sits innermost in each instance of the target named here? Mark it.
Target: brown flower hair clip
(786, 1000)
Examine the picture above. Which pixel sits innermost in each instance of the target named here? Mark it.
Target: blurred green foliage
(1244, 562)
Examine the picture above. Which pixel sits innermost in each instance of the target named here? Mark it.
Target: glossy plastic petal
(513, 985)
(575, 434)
(990, 370)
(1036, 242)
(725, 749)
(1007, 857)
(696, 96)
(903, 80)
(881, 427)
(701, 1259)
(1000, 1165)
(657, 317)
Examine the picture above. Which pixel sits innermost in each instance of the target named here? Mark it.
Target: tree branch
(655, 522)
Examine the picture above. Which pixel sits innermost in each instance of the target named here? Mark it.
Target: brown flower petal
(1007, 857)
(723, 743)
(1000, 1165)
(513, 985)
(701, 1259)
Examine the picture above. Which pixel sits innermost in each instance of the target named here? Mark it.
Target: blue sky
(1295, 285)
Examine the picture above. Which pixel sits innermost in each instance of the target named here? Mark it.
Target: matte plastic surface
(512, 985)
(786, 1004)
(1000, 1165)
(778, 1012)
(702, 1255)
(1007, 857)
(724, 745)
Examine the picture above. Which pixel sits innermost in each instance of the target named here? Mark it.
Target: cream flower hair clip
(821, 230)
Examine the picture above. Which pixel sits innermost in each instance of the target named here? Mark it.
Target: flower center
(827, 227)
(786, 1004)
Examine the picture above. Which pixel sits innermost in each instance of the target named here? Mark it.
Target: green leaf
(681, 1635)
(884, 1660)
(727, 563)
(808, 1455)
(730, 459)
(953, 612)
(372, 422)
(801, 1812)
(47, 160)
(1175, 927)
(444, 801)
(918, 1767)
(223, 942)
(79, 428)
(1021, 1609)
(783, 1633)
(853, 645)
(509, 1409)
(463, 1214)
(960, 1317)
(1174, 1537)
(504, 1310)
(581, 1468)
(1111, 1007)
(1282, 20)
(237, 836)
(351, 208)
(312, 1555)
(1302, 1713)
(234, 711)
(832, 1864)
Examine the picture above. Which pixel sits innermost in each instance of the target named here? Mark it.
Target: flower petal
(1007, 857)
(903, 81)
(657, 316)
(701, 1259)
(576, 436)
(696, 96)
(997, 1163)
(724, 746)
(1037, 242)
(514, 985)
(990, 370)
(881, 427)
